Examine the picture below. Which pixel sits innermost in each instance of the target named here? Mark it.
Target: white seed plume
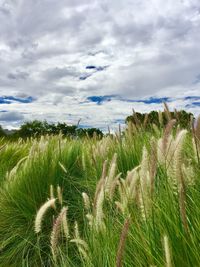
(13, 172)
(62, 167)
(59, 193)
(52, 195)
(131, 174)
(65, 223)
(86, 201)
(178, 149)
(111, 174)
(41, 212)
(114, 184)
(56, 230)
(81, 244)
(76, 231)
(90, 218)
(83, 161)
(51, 192)
(99, 210)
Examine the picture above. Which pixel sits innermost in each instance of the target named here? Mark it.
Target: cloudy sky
(95, 60)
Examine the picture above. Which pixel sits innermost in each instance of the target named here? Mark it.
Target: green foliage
(37, 128)
(90, 132)
(183, 118)
(2, 133)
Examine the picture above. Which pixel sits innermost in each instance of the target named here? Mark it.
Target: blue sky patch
(90, 67)
(11, 99)
(192, 98)
(100, 99)
(119, 121)
(196, 104)
(99, 68)
(152, 100)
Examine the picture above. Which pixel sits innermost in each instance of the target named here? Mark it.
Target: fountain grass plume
(41, 212)
(57, 227)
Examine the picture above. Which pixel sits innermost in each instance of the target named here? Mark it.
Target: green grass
(155, 207)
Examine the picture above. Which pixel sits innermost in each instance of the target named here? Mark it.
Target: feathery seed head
(57, 230)
(86, 201)
(41, 212)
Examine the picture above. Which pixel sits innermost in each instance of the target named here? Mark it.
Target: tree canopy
(37, 128)
(160, 119)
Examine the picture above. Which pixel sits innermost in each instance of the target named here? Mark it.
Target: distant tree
(2, 132)
(32, 128)
(69, 130)
(37, 128)
(94, 131)
(90, 132)
(183, 118)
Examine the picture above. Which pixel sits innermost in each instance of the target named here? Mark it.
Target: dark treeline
(160, 119)
(146, 120)
(37, 128)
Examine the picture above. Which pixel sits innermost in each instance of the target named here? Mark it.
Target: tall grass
(131, 199)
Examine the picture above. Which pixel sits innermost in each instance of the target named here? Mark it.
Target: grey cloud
(4, 11)
(58, 73)
(18, 75)
(11, 116)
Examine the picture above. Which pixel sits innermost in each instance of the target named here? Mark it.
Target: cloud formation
(62, 53)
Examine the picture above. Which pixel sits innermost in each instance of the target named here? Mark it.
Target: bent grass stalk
(41, 212)
(122, 242)
(57, 227)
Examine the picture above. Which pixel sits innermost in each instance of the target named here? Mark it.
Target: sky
(96, 60)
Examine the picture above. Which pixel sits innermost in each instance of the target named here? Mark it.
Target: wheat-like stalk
(59, 194)
(167, 252)
(41, 212)
(144, 169)
(197, 129)
(137, 122)
(65, 223)
(62, 167)
(113, 186)
(57, 230)
(160, 118)
(130, 174)
(100, 183)
(99, 210)
(83, 161)
(133, 185)
(167, 112)
(179, 176)
(51, 192)
(86, 201)
(111, 174)
(167, 132)
(52, 195)
(145, 120)
(122, 242)
(13, 172)
(81, 244)
(153, 164)
(99, 186)
(90, 218)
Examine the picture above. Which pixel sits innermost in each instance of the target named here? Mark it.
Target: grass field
(129, 199)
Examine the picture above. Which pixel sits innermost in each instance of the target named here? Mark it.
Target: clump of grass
(130, 199)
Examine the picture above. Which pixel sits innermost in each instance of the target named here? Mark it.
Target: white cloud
(151, 48)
